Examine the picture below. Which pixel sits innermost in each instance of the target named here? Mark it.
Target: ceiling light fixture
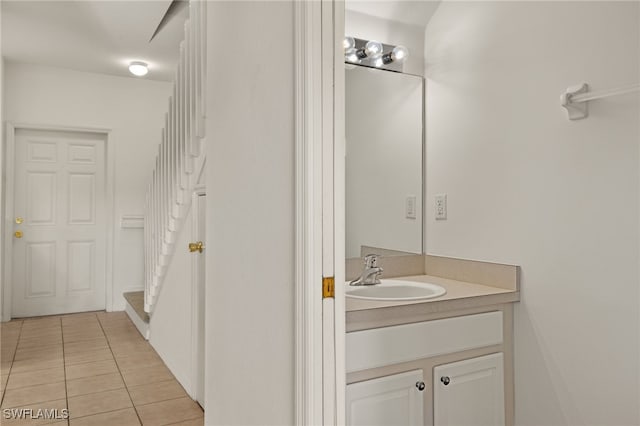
(138, 68)
(371, 52)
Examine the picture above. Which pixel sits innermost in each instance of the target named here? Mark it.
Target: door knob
(420, 386)
(18, 234)
(445, 380)
(19, 220)
(193, 247)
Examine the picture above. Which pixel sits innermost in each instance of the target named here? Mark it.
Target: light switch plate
(441, 207)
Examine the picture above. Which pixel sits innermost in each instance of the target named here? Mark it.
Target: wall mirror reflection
(384, 162)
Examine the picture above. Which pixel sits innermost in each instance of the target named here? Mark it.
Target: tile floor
(96, 365)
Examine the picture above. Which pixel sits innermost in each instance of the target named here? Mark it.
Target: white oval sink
(390, 290)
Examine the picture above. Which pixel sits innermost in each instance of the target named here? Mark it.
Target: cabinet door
(469, 392)
(392, 400)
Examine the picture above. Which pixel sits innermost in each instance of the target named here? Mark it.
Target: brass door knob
(18, 234)
(193, 247)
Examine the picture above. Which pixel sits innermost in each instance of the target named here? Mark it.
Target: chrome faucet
(371, 273)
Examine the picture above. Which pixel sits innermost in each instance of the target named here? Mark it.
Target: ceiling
(411, 12)
(93, 36)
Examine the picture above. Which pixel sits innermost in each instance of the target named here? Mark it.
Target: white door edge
(319, 82)
(8, 213)
(198, 191)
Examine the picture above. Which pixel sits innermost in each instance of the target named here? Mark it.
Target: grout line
(121, 376)
(64, 367)
(15, 351)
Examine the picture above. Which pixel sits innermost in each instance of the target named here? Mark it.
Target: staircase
(180, 155)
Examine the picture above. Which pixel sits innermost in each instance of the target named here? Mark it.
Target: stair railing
(180, 154)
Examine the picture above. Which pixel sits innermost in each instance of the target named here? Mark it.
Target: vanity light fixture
(138, 68)
(371, 52)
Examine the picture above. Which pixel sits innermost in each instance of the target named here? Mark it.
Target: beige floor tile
(34, 394)
(89, 369)
(88, 356)
(42, 322)
(167, 412)
(3, 381)
(126, 417)
(88, 318)
(45, 352)
(82, 336)
(35, 364)
(95, 403)
(87, 345)
(5, 367)
(38, 342)
(146, 375)
(41, 332)
(146, 359)
(130, 349)
(60, 405)
(32, 378)
(94, 384)
(193, 422)
(156, 392)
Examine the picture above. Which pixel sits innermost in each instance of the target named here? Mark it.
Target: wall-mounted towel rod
(576, 97)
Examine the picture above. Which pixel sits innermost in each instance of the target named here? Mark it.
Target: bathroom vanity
(442, 361)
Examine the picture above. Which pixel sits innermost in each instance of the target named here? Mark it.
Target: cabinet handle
(445, 380)
(420, 386)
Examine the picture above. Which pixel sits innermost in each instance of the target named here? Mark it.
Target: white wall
(386, 31)
(250, 215)
(132, 108)
(171, 321)
(558, 197)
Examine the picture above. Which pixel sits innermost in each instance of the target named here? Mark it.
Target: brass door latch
(193, 247)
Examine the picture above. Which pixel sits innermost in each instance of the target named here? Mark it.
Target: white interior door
(59, 238)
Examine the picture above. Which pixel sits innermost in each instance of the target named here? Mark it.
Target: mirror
(384, 162)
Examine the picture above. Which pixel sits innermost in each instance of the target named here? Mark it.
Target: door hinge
(328, 287)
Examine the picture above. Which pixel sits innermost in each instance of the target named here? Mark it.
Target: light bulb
(373, 49)
(348, 43)
(399, 53)
(138, 68)
(378, 62)
(351, 55)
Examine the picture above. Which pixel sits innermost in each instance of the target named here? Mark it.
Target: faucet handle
(371, 260)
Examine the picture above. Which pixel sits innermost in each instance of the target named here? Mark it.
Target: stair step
(135, 311)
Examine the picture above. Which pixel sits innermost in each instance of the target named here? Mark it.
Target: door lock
(19, 220)
(18, 234)
(193, 247)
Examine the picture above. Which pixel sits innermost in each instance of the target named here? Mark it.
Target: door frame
(7, 222)
(320, 376)
(199, 191)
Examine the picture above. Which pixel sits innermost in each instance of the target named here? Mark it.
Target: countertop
(460, 297)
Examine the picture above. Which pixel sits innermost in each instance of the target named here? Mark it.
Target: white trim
(7, 223)
(198, 191)
(339, 190)
(308, 232)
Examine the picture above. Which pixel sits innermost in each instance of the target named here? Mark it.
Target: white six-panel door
(59, 204)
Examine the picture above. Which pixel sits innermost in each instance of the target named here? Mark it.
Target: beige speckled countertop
(466, 294)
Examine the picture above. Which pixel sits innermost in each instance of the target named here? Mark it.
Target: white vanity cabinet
(469, 392)
(460, 359)
(392, 400)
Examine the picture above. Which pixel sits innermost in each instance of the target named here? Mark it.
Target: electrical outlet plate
(410, 207)
(441, 207)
